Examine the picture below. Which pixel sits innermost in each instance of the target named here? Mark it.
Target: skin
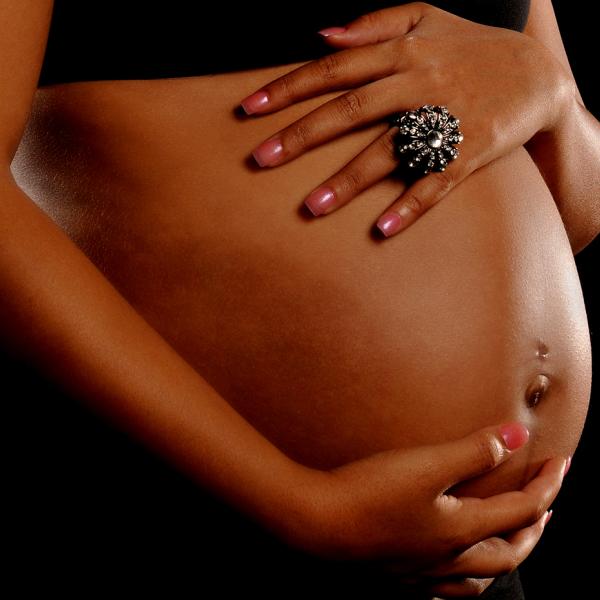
(568, 153)
(186, 290)
(397, 58)
(116, 221)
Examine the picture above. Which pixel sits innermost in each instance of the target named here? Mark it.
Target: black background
(91, 509)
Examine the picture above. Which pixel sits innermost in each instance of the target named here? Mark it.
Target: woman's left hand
(503, 85)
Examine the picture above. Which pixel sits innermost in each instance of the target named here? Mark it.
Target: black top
(135, 39)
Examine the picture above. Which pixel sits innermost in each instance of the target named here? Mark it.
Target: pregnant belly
(332, 342)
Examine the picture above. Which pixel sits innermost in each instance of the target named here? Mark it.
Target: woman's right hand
(392, 511)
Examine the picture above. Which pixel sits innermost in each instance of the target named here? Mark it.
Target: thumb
(482, 451)
(376, 26)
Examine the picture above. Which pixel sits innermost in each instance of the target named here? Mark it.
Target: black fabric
(117, 39)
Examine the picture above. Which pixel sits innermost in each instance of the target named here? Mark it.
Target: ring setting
(426, 137)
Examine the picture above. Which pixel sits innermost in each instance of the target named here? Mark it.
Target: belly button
(536, 390)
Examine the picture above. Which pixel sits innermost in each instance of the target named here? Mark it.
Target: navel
(536, 390)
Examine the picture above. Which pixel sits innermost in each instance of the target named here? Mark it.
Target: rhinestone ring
(425, 138)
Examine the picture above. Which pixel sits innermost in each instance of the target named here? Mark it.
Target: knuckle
(368, 20)
(351, 106)
(351, 180)
(410, 44)
(410, 39)
(472, 589)
(285, 88)
(330, 67)
(476, 588)
(469, 588)
(439, 80)
(422, 6)
(444, 182)
(388, 146)
(397, 55)
(489, 451)
(300, 135)
(414, 203)
(538, 510)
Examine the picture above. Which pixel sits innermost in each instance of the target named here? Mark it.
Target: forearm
(568, 158)
(60, 312)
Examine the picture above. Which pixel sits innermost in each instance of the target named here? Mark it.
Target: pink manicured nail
(268, 153)
(567, 466)
(320, 200)
(332, 31)
(548, 517)
(515, 435)
(255, 102)
(389, 224)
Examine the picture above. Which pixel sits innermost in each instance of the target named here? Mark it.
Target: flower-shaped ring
(425, 138)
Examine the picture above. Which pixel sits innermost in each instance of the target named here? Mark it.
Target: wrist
(559, 130)
(289, 505)
(317, 517)
(565, 102)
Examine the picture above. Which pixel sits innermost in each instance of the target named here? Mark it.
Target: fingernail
(268, 153)
(548, 517)
(389, 224)
(332, 31)
(255, 102)
(567, 466)
(320, 200)
(514, 435)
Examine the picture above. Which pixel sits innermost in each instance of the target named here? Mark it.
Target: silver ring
(426, 137)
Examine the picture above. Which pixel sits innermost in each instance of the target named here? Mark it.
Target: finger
(494, 556)
(377, 26)
(428, 190)
(372, 102)
(484, 518)
(462, 588)
(339, 70)
(478, 452)
(422, 195)
(375, 162)
(424, 584)
(422, 587)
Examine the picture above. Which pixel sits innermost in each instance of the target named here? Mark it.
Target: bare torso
(333, 343)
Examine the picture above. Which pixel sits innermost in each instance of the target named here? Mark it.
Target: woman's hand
(392, 511)
(503, 85)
